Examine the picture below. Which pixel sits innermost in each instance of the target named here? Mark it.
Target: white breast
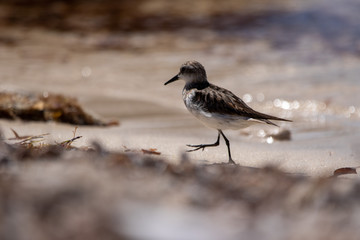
(213, 120)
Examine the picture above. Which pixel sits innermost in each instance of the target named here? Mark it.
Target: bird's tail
(275, 118)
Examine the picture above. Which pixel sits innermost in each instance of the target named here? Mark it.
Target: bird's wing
(223, 101)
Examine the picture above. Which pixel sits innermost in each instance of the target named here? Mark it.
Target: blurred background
(294, 59)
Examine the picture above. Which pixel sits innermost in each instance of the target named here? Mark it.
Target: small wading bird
(214, 106)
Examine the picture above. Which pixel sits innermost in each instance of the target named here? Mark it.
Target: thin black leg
(228, 146)
(203, 146)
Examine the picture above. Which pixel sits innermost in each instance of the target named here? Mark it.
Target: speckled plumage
(214, 106)
(216, 102)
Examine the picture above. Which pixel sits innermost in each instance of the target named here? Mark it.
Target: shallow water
(300, 63)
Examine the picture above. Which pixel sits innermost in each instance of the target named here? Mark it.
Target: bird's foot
(200, 146)
(231, 161)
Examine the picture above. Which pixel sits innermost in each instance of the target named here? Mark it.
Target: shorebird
(214, 106)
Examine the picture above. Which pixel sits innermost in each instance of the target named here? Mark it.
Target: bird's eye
(187, 69)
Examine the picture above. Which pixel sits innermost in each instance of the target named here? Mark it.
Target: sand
(127, 85)
(293, 59)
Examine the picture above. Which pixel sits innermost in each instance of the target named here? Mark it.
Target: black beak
(172, 80)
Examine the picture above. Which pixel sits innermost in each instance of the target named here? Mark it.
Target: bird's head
(190, 72)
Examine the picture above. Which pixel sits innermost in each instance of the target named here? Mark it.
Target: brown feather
(215, 99)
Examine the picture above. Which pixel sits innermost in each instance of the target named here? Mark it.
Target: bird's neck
(196, 84)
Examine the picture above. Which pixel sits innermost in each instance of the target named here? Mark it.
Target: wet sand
(127, 85)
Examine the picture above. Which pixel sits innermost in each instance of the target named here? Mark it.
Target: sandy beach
(127, 85)
(297, 60)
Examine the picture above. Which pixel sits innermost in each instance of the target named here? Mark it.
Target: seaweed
(49, 107)
(37, 141)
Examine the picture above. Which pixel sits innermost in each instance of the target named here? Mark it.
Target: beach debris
(46, 107)
(345, 170)
(283, 135)
(18, 137)
(126, 149)
(28, 140)
(150, 151)
(67, 144)
(37, 141)
(105, 186)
